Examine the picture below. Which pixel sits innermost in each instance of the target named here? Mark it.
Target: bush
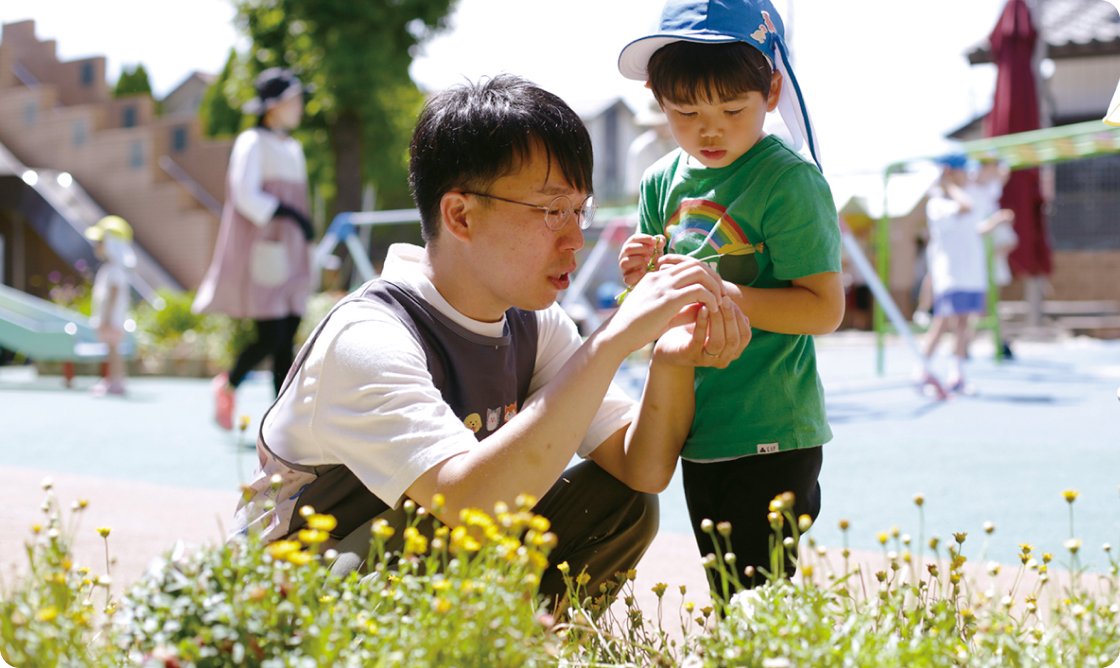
(467, 598)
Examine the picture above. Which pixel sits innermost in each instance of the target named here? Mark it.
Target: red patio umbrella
(1015, 109)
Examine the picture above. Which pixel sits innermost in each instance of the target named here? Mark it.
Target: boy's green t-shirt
(762, 221)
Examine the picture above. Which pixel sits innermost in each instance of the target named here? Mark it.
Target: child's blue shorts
(958, 303)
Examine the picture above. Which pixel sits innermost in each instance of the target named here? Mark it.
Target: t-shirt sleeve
(650, 217)
(558, 339)
(800, 225)
(365, 399)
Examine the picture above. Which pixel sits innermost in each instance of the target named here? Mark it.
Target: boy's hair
(470, 135)
(690, 72)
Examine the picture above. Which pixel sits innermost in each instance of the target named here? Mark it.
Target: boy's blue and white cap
(754, 22)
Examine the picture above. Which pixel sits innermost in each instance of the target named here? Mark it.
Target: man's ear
(453, 209)
(775, 91)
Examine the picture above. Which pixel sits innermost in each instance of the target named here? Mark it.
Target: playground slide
(47, 332)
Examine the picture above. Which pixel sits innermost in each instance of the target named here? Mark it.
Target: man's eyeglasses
(558, 211)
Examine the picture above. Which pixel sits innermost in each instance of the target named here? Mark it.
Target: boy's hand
(715, 339)
(666, 299)
(636, 256)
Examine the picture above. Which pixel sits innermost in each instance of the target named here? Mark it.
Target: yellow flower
(382, 530)
(243, 422)
(883, 537)
(659, 589)
(804, 523)
(844, 524)
(461, 541)
(299, 558)
(281, 549)
(989, 527)
(438, 502)
(414, 541)
(583, 578)
(306, 511)
(441, 585)
(563, 567)
(525, 501)
(540, 524)
(47, 614)
(919, 500)
(1070, 495)
(959, 537)
(724, 529)
(322, 522)
(1073, 545)
(104, 531)
(441, 605)
(312, 536)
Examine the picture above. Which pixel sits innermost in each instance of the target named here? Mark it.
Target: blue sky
(884, 79)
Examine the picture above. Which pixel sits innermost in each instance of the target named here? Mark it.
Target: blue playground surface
(1045, 422)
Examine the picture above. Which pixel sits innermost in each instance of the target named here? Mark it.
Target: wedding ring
(705, 351)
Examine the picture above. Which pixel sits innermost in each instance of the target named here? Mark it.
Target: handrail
(184, 179)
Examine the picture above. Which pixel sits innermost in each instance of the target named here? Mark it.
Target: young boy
(762, 217)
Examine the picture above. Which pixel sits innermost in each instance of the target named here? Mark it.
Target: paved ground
(156, 469)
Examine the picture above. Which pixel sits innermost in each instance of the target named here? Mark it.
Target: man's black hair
(472, 134)
(688, 72)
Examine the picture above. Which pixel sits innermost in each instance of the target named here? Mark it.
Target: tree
(219, 117)
(357, 54)
(134, 82)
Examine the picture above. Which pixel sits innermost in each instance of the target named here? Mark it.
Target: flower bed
(466, 598)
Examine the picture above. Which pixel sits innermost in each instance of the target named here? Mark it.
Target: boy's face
(719, 133)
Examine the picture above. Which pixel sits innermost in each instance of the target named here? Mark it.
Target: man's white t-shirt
(364, 397)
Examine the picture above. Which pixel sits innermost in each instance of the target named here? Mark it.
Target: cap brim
(634, 59)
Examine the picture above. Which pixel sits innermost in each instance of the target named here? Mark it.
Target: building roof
(1072, 29)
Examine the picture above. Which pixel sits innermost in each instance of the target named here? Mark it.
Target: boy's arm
(814, 304)
(644, 454)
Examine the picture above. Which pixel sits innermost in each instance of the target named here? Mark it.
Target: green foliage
(74, 297)
(175, 332)
(357, 55)
(133, 82)
(466, 597)
(219, 117)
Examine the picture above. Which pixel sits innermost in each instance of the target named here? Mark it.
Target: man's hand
(713, 340)
(637, 254)
(662, 300)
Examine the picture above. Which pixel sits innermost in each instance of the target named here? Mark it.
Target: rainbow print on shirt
(721, 234)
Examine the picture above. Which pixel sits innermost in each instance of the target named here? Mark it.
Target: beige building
(158, 172)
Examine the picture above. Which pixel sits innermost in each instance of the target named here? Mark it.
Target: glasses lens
(590, 206)
(559, 210)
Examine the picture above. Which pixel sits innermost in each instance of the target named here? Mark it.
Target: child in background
(956, 209)
(999, 227)
(112, 243)
(762, 217)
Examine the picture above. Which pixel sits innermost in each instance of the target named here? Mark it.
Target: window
(80, 132)
(128, 117)
(1086, 201)
(179, 138)
(136, 154)
(87, 74)
(30, 112)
